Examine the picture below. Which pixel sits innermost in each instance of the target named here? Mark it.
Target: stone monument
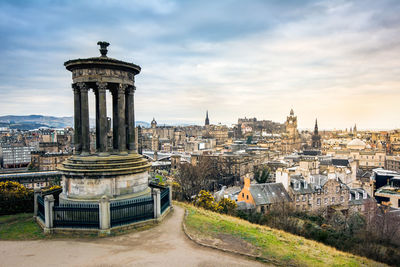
(118, 172)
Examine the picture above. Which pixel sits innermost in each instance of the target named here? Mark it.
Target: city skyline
(332, 60)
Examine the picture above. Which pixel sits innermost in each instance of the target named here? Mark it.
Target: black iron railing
(40, 210)
(133, 210)
(77, 215)
(165, 199)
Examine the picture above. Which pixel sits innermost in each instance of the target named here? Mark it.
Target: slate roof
(361, 199)
(340, 162)
(269, 193)
(300, 186)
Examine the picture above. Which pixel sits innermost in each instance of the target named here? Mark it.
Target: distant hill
(30, 122)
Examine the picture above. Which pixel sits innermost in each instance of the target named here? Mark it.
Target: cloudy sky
(338, 61)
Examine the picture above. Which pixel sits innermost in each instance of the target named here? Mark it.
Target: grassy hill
(277, 247)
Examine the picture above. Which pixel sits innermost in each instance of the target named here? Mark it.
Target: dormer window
(364, 195)
(350, 196)
(297, 185)
(305, 185)
(357, 196)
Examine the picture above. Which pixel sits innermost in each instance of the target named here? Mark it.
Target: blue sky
(335, 60)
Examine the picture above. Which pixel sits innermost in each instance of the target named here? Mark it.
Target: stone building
(48, 161)
(318, 194)
(263, 197)
(392, 163)
(366, 157)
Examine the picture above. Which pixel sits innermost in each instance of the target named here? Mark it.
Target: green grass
(19, 227)
(280, 247)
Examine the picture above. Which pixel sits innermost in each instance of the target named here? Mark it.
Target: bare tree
(193, 178)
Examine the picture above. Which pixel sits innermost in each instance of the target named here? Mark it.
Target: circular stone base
(65, 200)
(91, 177)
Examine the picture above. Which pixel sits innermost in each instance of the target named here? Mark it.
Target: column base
(84, 154)
(103, 154)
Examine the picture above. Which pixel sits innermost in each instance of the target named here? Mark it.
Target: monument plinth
(118, 171)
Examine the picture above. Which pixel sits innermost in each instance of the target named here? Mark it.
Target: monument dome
(356, 144)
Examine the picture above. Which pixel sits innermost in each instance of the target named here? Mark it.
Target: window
(297, 186)
(247, 196)
(318, 201)
(364, 195)
(304, 198)
(337, 189)
(326, 200)
(350, 196)
(357, 195)
(333, 199)
(298, 198)
(242, 195)
(341, 199)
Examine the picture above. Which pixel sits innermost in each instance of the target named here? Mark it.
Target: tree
(261, 176)
(193, 178)
(227, 206)
(249, 139)
(205, 200)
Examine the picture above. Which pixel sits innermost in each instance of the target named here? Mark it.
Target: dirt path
(163, 245)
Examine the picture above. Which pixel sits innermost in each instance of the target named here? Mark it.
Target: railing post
(157, 203)
(48, 213)
(170, 195)
(104, 214)
(36, 192)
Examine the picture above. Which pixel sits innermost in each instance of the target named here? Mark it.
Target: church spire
(207, 121)
(316, 138)
(316, 127)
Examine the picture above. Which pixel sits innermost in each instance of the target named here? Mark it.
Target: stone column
(121, 119)
(130, 119)
(77, 119)
(115, 118)
(85, 137)
(157, 202)
(101, 119)
(104, 213)
(48, 212)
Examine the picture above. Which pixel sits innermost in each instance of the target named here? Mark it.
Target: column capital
(122, 88)
(131, 89)
(102, 86)
(82, 86)
(75, 88)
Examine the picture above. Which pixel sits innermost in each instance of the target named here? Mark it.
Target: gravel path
(163, 245)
